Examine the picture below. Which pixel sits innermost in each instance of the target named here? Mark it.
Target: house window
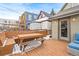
(64, 29)
(29, 17)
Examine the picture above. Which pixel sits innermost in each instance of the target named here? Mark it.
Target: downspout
(70, 29)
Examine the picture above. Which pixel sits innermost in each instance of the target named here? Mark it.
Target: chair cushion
(74, 46)
(77, 42)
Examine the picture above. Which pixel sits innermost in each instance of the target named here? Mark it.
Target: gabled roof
(63, 6)
(68, 12)
(45, 13)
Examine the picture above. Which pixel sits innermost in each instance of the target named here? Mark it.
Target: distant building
(8, 24)
(25, 20)
(42, 22)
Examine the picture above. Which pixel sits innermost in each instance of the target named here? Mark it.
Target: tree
(52, 12)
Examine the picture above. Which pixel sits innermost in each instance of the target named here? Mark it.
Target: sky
(14, 10)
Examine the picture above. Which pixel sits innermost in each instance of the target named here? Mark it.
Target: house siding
(46, 25)
(70, 5)
(25, 19)
(74, 26)
(35, 26)
(55, 29)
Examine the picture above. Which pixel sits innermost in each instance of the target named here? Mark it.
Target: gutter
(64, 15)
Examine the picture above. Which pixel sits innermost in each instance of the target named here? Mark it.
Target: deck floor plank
(49, 48)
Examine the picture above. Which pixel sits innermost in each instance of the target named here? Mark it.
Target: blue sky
(14, 10)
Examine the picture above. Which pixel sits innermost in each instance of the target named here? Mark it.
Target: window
(35, 17)
(29, 17)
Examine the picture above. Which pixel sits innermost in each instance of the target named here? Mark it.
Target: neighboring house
(35, 26)
(42, 22)
(25, 20)
(8, 24)
(65, 22)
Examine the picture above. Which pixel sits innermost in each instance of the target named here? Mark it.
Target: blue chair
(73, 47)
(76, 38)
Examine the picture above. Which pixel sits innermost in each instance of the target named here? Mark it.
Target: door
(64, 29)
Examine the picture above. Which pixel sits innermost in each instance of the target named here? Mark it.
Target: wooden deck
(49, 48)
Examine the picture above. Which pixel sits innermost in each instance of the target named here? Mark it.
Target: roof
(29, 13)
(63, 7)
(45, 13)
(68, 12)
(45, 18)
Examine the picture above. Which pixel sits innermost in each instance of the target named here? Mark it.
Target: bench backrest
(15, 33)
(11, 34)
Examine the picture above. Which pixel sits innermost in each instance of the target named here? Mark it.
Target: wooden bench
(16, 36)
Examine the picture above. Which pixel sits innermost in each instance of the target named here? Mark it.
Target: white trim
(65, 38)
(42, 19)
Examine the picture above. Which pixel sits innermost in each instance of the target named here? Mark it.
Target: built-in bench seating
(73, 47)
(12, 35)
